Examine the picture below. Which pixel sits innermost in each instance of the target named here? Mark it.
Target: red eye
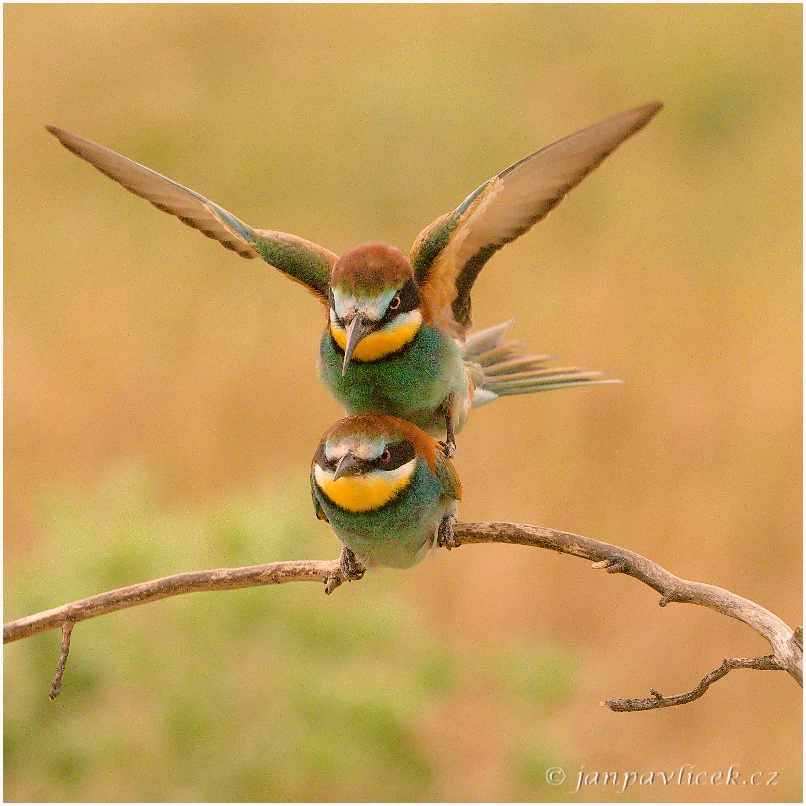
(385, 456)
(395, 303)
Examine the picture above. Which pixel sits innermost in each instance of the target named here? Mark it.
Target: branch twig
(787, 645)
(55, 689)
(657, 700)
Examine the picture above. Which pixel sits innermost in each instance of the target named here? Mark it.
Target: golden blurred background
(149, 371)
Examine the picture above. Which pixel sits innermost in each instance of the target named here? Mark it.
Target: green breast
(410, 384)
(396, 535)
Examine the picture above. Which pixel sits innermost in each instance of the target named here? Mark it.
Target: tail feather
(500, 368)
(514, 365)
(545, 379)
(543, 386)
(532, 375)
(502, 353)
(483, 340)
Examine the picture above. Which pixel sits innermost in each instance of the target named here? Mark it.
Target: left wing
(303, 261)
(449, 254)
(317, 507)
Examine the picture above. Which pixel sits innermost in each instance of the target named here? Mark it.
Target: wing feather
(302, 260)
(449, 254)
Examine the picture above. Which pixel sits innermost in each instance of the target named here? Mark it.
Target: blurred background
(162, 403)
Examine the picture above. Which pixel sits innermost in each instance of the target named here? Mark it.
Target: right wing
(451, 251)
(303, 261)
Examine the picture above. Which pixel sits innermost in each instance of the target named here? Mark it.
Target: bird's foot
(449, 445)
(445, 532)
(350, 566)
(448, 448)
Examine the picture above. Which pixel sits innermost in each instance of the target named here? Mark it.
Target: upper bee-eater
(386, 488)
(395, 340)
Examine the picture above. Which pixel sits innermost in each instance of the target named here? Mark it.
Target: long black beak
(348, 465)
(356, 330)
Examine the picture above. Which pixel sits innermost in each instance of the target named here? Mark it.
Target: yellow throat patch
(388, 339)
(367, 492)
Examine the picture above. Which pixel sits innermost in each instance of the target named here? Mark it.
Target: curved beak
(356, 330)
(348, 465)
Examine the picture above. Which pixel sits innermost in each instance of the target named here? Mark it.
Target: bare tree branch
(220, 579)
(657, 700)
(787, 645)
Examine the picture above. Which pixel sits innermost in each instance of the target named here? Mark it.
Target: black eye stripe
(399, 454)
(409, 297)
(320, 457)
(409, 300)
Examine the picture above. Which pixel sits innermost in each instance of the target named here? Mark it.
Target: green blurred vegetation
(267, 694)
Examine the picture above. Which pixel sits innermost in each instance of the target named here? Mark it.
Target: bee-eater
(387, 489)
(395, 341)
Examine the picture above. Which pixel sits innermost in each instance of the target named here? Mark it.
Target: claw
(350, 566)
(449, 445)
(445, 532)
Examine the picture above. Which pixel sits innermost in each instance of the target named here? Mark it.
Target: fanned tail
(499, 368)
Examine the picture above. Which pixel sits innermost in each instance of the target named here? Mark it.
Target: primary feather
(449, 254)
(303, 261)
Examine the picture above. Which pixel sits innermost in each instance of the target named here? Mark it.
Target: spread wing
(303, 261)
(448, 254)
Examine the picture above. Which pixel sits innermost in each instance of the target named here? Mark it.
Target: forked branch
(787, 644)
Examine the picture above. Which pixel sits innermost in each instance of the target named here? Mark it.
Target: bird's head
(375, 306)
(366, 461)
